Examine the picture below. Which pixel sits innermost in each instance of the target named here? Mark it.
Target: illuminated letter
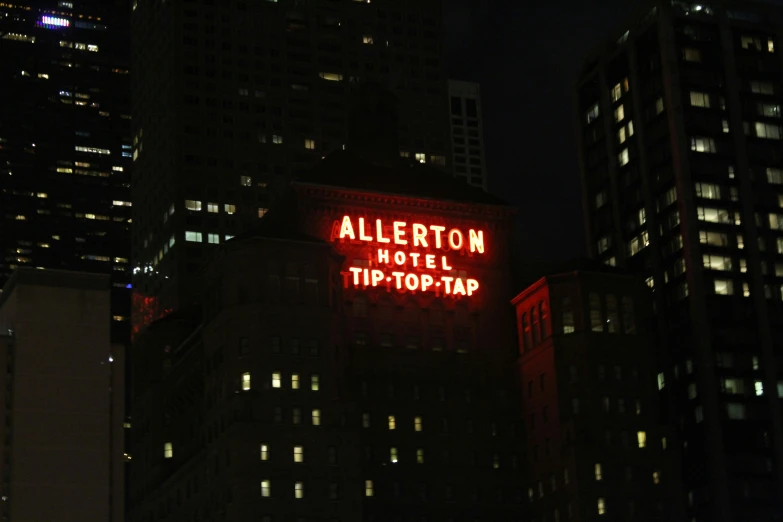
(454, 244)
(377, 277)
(398, 279)
(476, 243)
(415, 258)
(362, 235)
(430, 260)
(459, 287)
(411, 281)
(472, 286)
(383, 256)
(399, 258)
(447, 281)
(437, 231)
(444, 263)
(379, 230)
(356, 271)
(426, 282)
(366, 277)
(419, 235)
(346, 229)
(398, 233)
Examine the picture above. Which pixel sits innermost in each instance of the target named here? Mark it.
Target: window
(276, 380)
(417, 424)
(619, 113)
(296, 416)
(702, 144)
(191, 204)
(332, 77)
(421, 157)
(735, 410)
(717, 262)
(769, 110)
(365, 420)
(598, 474)
(294, 381)
(368, 488)
(592, 113)
(661, 381)
(641, 438)
(213, 239)
(277, 139)
(168, 450)
(367, 39)
(419, 456)
(690, 54)
(246, 381)
(707, 190)
(246, 181)
(229, 208)
(596, 317)
(298, 454)
(776, 221)
(393, 455)
(392, 422)
(656, 476)
(298, 489)
(266, 488)
(724, 287)
(713, 215)
(623, 158)
(759, 388)
(264, 452)
(309, 144)
(700, 99)
(601, 506)
(193, 237)
(713, 238)
(658, 106)
(762, 88)
(315, 382)
(612, 315)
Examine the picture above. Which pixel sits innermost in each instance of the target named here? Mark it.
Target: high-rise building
(63, 399)
(595, 443)
(682, 170)
(230, 97)
(467, 133)
(65, 146)
(353, 360)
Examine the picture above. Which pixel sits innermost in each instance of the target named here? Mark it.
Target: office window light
(228, 208)
(246, 381)
(193, 237)
(276, 380)
(298, 454)
(192, 204)
(294, 381)
(392, 422)
(369, 490)
(316, 416)
(309, 144)
(641, 438)
(168, 450)
(601, 506)
(393, 455)
(418, 424)
(264, 452)
(298, 489)
(212, 208)
(266, 488)
(598, 474)
(419, 456)
(315, 382)
(246, 181)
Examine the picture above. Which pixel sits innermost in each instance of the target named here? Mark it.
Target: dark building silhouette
(682, 165)
(353, 360)
(232, 97)
(65, 142)
(595, 444)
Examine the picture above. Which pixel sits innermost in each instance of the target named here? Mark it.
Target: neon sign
(394, 265)
(51, 22)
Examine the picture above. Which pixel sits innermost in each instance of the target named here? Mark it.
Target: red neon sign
(409, 270)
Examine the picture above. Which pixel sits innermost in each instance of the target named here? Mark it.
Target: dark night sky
(526, 55)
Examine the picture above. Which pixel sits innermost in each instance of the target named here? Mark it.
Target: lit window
(617, 92)
(393, 455)
(315, 381)
(733, 386)
(277, 139)
(619, 113)
(332, 77)
(368, 488)
(418, 425)
(659, 106)
(295, 381)
(264, 452)
(725, 126)
(316, 417)
(735, 410)
(656, 477)
(229, 208)
(641, 438)
(168, 450)
(365, 420)
(759, 387)
(367, 39)
(724, 287)
(392, 422)
(191, 204)
(601, 506)
(767, 130)
(717, 262)
(623, 158)
(421, 157)
(769, 110)
(262, 212)
(419, 456)
(691, 55)
(598, 474)
(700, 99)
(246, 381)
(194, 237)
(593, 113)
(762, 88)
(246, 181)
(702, 144)
(707, 190)
(296, 416)
(276, 380)
(298, 454)
(309, 144)
(213, 239)
(266, 488)
(495, 461)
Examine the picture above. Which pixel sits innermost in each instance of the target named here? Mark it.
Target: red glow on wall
(145, 310)
(409, 257)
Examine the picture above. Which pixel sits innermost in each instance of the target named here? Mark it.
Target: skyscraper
(682, 165)
(231, 97)
(467, 133)
(65, 143)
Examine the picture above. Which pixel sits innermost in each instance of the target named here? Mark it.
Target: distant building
(467, 133)
(353, 360)
(63, 391)
(65, 142)
(681, 152)
(595, 443)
